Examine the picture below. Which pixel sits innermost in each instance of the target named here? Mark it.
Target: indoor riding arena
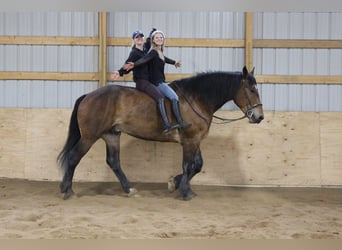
(277, 179)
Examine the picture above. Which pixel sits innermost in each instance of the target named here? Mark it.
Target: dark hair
(147, 44)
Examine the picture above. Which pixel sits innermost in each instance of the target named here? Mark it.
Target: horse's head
(247, 98)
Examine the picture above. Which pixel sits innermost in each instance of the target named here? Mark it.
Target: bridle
(248, 113)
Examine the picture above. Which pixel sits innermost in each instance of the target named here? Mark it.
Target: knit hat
(137, 33)
(157, 31)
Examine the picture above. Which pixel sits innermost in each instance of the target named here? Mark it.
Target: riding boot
(175, 107)
(167, 126)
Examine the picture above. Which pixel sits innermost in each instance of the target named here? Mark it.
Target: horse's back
(125, 108)
(115, 95)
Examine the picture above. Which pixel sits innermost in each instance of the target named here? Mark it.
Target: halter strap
(228, 120)
(248, 112)
(224, 120)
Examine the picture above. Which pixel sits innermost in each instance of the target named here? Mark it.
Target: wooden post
(102, 49)
(249, 40)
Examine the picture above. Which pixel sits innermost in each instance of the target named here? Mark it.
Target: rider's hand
(128, 66)
(178, 64)
(115, 75)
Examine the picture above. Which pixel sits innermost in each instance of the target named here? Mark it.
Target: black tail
(73, 136)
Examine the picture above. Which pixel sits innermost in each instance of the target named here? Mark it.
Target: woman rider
(156, 60)
(141, 78)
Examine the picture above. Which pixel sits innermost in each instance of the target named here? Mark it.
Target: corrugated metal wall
(61, 94)
(230, 25)
(183, 25)
(297, 97)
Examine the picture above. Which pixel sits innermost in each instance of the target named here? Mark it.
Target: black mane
(213, 89)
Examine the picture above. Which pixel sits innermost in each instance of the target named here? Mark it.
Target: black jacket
(140, 72)
(155, 66)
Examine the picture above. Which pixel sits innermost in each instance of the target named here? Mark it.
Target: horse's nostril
(258, 119)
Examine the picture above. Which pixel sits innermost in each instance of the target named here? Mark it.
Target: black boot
(175, 107)
(167, 126)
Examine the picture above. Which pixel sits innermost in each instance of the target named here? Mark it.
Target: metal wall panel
(47, 58)
(294, 97)
(230, 25)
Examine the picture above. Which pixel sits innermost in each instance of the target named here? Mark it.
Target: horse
(111, 110)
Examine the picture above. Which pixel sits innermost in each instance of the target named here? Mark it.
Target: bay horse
(111, 110)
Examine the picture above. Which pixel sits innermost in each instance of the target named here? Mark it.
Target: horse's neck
(215, 90)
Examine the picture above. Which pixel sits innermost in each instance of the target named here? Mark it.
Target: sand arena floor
(36, 210)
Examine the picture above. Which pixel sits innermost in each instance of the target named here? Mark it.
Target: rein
(248, 112)
(190, 104)
(228, 120)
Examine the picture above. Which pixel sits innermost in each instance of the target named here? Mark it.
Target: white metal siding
(230, 25)
(296, 97)
(182, 25)
(46, 58)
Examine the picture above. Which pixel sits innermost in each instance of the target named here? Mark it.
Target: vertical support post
(249, 40)
(102, 49)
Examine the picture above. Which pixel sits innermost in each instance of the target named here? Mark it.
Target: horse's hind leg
(112, 140)
(72, 159)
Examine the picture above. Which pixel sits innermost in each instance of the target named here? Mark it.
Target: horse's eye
(254, 89)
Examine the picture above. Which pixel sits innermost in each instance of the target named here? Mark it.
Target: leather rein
(248, 112)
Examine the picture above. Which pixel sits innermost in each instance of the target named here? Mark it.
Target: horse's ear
(252, 72)
(244, 72)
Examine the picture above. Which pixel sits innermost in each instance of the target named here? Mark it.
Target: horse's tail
(73, 136)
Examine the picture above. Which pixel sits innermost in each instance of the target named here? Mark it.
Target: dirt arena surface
(36, 210)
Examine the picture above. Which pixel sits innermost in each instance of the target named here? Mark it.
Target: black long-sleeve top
(155, 66)
(140, 72)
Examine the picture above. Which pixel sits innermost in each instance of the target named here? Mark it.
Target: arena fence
(103, 41)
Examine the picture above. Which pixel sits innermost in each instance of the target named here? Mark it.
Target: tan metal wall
(286, 149)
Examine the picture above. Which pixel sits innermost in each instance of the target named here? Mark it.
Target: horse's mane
(212, 88)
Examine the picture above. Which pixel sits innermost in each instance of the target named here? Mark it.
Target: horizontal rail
(299, 79)
(282, 79)
(94, 76)
(266, 79)
(58, 76)
(49, 40)
(175, 42)
(299, 44)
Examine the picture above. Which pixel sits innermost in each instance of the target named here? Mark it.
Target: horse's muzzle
(254, 115)
(257, 119)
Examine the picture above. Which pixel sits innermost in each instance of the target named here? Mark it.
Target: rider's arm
(169, 61)
(148, 57)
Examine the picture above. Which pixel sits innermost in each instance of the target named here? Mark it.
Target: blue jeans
(167, 91)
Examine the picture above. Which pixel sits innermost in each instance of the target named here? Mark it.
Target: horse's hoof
(68, 195)
(187, 198)
(132, 191)
(171, 185)
(191, 194)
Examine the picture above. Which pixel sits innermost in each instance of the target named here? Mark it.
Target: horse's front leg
(184, 184)
(192, 164)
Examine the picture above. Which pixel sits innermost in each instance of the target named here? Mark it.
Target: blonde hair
(155, 47)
